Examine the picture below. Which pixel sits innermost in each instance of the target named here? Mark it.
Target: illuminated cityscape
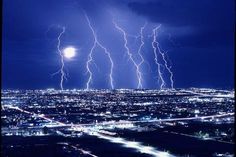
(146, 122)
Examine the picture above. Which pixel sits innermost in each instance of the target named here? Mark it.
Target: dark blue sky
(198, 35)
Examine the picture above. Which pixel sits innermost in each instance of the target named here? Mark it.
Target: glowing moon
(69, 52)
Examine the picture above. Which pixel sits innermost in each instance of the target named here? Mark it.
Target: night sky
(198, 36)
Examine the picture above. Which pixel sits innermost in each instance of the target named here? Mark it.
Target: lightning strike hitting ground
(154, 46)
(164, 58)
(90, 58)
(138, 73)
(167, 67)
(140, 85)
(63, 74)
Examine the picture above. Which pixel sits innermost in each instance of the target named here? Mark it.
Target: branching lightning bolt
(61, 70)
(156, 47)
(138, 72)
(140, 85)
(90, 58)
(166, 66)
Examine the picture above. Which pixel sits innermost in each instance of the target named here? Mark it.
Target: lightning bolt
(166, 66)
(61, 71)
(90, 58)
(155, 47)
(162, 53)
(140, 85)
(137, 66)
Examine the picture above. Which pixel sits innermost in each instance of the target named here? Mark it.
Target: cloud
(212, 20)
(182, 12)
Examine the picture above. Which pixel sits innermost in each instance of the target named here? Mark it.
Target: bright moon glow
(69, 52)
